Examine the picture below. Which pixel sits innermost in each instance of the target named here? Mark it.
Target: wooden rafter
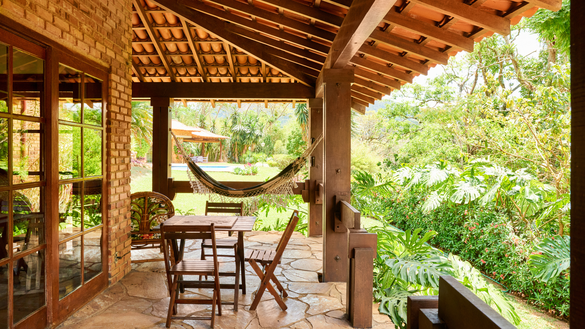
(302, 42)
(429, 31)
(362, 18)
(216, 91)
(366, 91)
(394, 59)
(187, 32)
(384, 69)
(276, 19)
(230, 59)
(553, 5)
(358, 107)
(218, 28)
(460, 10)
(137, 72)
(363, 97)
(155, 42)
(306, 11)
(372, 85)
(409, 46)
(377, 78)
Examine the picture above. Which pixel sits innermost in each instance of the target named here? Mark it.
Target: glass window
(69, 209)
(92, 204)
(4, 272)
(3, 78)
(69, 152)
(29, 284)
(26, 155)
(69, 266)
(4, 151)
(27, 84)
(4, 204)
(69, 94)
(29, 221)
(92, 102)
(92, 254)
(92, 152)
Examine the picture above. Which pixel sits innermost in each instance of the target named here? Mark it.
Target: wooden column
(316, 169)
(577, 308)
(337, 156)
(161, 144)
(202, 149)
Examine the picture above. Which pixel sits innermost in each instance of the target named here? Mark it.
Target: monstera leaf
(552, 256)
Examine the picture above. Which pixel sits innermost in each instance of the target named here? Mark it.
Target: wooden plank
(577, 305)
(277, 19)
(315, 106)
(409, 46)
(196, 90)
(306, 11)
(460, 10)
(460, 308)
(384, 69)
(360, 288)
(429, 31)
(155, 42)
(394, 59)
(350, 217)
(414, 304)
(218, 28)
(187, 32)
(362, 18)
(252, 24)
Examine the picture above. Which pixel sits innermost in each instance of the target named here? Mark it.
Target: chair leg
(202, 258)
(172, 301)
(265, 284)
(213, 302)
(279, 286)
(237, 280)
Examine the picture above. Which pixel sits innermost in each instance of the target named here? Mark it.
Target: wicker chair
(148, 210)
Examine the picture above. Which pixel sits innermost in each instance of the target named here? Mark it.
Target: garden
(465, 173)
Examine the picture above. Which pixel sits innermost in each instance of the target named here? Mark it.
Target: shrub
(249, 169)
(281, 160)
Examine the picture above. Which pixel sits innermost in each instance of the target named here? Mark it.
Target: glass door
(22, 185)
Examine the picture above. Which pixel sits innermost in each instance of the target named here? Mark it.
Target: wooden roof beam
(377, 78)
(366, 91)
(475, 16)
(231, 62)
(217, 27)
(276, 19)
(372, 85)
(137, 72)
(429, 31)
(553, 5)
(409, 46)
(362, 97)
(220, 90)
(362, 18)
(306, 11)
(155, 42)
(187, 33)
(360, 108)
(253, 25)
(394, 59)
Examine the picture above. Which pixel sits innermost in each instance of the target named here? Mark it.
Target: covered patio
(140, 300)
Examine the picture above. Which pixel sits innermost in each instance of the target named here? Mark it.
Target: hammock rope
(281, 184)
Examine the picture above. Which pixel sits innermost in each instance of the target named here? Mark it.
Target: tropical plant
(551, 257)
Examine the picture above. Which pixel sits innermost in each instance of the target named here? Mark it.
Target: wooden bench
(456, 307)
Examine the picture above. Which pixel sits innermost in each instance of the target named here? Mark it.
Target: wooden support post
(316, 169)
(360, 288)
(202, 149)
(336, 86)
(577, 164)
(161, 144)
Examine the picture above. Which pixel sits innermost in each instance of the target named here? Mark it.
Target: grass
(195, 203)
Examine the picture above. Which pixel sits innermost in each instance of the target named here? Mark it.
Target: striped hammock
(281, 184)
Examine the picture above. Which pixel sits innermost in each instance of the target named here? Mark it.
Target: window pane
(26, 156)
(69, 152)
(69, 266)
(69, 209)
(69, 94)
(3, 78)
(92, 258)
(4, 151)
(4, 296)
(92, 107)
(29, 221)
(29, 284)
(27, 83)
(4, 201)
(92, 205)
(92, 152)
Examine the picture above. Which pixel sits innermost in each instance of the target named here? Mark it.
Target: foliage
(296, 145)
(280, 161)
(364, 158)
(293, 203)
(248, 169)
(551, 257)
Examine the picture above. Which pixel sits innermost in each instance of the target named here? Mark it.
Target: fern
(424, 271)
(433, 202)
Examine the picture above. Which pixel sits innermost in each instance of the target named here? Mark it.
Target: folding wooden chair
(177, 267)
(232, 209)
(269, 259)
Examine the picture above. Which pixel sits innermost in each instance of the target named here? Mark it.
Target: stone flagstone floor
(141, 299)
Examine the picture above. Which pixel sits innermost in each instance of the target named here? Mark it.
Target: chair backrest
(290, 228)
(224, 208)
(149, 209)
(199, 232)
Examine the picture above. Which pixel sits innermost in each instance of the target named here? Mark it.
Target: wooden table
(241, 225)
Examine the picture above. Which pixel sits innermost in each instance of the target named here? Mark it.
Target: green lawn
(195, 203)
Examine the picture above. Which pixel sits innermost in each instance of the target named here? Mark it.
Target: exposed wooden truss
(290, 42)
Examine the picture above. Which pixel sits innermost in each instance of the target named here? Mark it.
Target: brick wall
(99, 30)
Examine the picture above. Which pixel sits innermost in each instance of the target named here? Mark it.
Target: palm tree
(141, 124)
(302, 113)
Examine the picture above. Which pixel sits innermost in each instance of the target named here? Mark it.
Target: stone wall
(99, 30)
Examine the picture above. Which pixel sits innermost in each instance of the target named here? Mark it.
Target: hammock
(281, 184)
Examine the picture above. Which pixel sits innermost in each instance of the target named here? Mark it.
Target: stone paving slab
(141, 298)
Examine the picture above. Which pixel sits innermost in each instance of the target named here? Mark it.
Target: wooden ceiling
(232, 42)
